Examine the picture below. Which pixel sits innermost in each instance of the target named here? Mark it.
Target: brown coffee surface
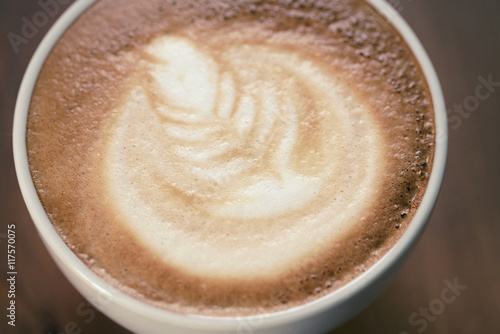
(236, 157)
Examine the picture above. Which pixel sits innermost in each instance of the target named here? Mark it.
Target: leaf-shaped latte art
(220, 157)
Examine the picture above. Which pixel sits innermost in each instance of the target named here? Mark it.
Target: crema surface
(230, 157)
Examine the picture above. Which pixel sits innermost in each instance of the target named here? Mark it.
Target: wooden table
(460, 246)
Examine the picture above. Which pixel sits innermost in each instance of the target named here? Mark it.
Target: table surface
(461, 244)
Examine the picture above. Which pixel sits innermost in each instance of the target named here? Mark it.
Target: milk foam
(241, 159)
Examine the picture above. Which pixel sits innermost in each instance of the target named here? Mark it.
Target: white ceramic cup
(318, 316)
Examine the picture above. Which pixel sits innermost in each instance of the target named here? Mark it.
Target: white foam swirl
(218, 159)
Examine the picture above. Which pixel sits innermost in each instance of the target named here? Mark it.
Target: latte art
(244, 135)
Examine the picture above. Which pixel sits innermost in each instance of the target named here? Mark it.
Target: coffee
(230, 158)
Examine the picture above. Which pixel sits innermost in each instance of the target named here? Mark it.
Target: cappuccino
(230, 157)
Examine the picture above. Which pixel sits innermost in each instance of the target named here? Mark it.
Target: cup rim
(58, 248)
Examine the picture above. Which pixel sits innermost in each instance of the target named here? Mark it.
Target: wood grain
(461, 242)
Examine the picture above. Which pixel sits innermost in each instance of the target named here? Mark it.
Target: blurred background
(460, 247)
